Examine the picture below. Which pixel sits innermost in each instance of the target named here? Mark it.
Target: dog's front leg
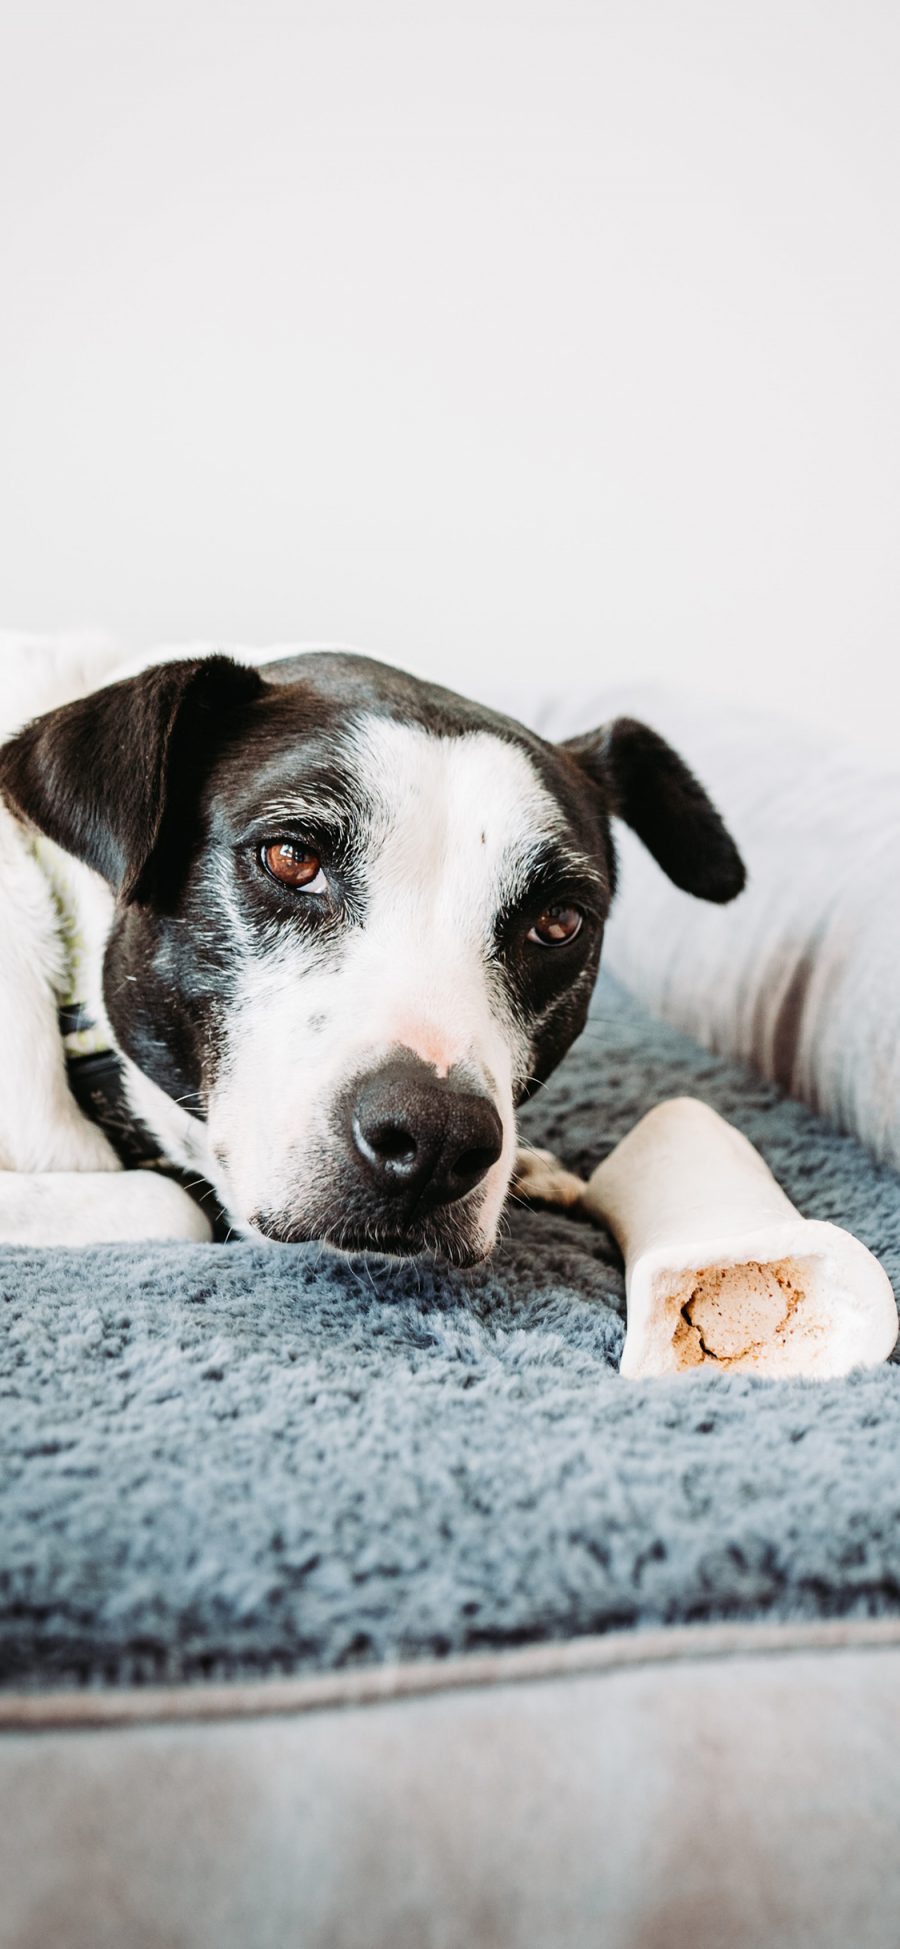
(96, 1208)
(41, 1125)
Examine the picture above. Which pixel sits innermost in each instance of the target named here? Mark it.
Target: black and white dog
(333, 922)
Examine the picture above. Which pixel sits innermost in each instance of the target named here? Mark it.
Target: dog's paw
(96, 1208)
(49, 1133)
(74, 1143)
(539, 1177)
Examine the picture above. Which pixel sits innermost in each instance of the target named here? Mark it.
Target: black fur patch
(652, 789)
(105, 777)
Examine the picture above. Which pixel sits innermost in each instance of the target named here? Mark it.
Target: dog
(327, 926)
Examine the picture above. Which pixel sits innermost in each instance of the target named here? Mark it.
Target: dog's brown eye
(294, 865)
(556, 925)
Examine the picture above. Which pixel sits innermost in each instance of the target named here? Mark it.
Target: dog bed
(496, 1647)
(234, 1460)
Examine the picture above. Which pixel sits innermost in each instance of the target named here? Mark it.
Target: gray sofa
(709, 1787)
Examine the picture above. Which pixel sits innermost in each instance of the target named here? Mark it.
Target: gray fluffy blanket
(235, 1459)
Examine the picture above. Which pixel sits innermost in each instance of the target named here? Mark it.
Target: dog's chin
(451, 1243)
(463, 1257)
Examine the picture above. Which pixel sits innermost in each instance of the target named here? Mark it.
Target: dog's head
(357, 920)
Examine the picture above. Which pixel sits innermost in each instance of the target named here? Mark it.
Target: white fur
(41, 1126)
(60, 1180)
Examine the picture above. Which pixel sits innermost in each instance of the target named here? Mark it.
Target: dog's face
(358, 919)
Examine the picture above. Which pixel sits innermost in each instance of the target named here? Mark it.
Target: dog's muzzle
(408, 1151)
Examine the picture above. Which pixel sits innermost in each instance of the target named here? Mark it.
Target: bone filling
(728, 1313)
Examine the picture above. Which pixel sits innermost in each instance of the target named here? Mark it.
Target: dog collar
(94, 1069)
(81, 1035)
(96, 1078)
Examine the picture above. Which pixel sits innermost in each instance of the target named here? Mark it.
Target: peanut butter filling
(736, 1315)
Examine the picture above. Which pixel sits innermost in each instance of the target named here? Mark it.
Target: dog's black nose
(423, 1137)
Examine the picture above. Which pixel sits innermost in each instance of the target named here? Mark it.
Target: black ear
(103, 777)
(651, 788)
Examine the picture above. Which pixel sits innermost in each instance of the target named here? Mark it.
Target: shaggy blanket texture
(222, 1460)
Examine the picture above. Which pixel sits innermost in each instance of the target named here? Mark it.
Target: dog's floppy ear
(103, 777)
(650, 787)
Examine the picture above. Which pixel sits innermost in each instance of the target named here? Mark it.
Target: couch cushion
(702, 1789)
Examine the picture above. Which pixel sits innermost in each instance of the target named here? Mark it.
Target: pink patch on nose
(432, 1045)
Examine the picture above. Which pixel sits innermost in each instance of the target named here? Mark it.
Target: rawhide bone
(721, 1271)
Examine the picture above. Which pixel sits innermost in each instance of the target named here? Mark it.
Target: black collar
(97, 1082)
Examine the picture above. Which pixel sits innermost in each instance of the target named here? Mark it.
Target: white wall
(503, 339)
